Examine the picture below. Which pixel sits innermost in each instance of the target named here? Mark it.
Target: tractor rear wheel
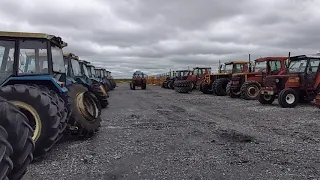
(220, 86)
(42, 113)
(100, 92)
(170, 85)
(250, 90)
(16, 144)
(266, 98)
(213, 87)
(144, 86)
(63, 108)
(86, 110)
(231, 92)
(205, 88)
(288, 98)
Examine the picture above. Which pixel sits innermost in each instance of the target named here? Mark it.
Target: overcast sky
(156, 35)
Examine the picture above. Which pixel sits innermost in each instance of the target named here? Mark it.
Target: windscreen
(75, 67)
(297, 66)
(57, 59)
(260, 66)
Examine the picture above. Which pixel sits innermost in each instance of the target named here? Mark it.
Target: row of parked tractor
(45, 94)
(290, 79)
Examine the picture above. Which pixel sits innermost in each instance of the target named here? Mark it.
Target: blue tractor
(33, 77)
(77, 71)
(101, 75)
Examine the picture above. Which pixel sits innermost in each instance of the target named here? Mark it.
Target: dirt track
(160, 134)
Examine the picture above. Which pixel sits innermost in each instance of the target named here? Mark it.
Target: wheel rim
(33, 118)
(103, 90)
(88, 110)
(253, 91)
(267, 97)
(235, 91)
(290, 98)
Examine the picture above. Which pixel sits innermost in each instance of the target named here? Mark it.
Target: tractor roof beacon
(300, 83)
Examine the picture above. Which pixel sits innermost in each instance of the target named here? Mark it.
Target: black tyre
(213, 87)
(86, 110)
(62, 108)
(233, 93)
(131, 86)
(288, 98)
(170, 85)
(205, 88)
(144, 86)
(266, 99)
(182, 89)
(108, 84)
(100, 92)
(250, 90)
(221, 86)
(42, 113)
(16, 144)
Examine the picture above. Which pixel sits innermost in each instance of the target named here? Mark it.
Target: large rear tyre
(42, 113)
(144, 86)
(86, 110)
(100, 92)
(232, 92)
(16, 144)
(205, 88)
(221, 86)
(250, 90)
(288, 98)
(62, 108)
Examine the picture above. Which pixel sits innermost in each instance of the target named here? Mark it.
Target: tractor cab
(182, 74)
(74, 71)
(99, 74)
(248, 84)
(300, 82)
(33, 58)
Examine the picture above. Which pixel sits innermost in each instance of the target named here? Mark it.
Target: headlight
(277, 80)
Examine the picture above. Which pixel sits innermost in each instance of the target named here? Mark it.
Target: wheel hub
(290, 98)
(253, 91)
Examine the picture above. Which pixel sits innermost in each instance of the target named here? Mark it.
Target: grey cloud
(155, 36)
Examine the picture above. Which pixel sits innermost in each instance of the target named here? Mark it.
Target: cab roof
(236, 62)
(271, 58)
(55, 39)
(202, 68)
(71, 55)
(317, 55)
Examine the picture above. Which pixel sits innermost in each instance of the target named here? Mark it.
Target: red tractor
(217, 83)
(300, 82)
(192, 80)
(138, 79)
(247, 85)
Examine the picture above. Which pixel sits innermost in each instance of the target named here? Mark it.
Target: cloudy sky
(156, 35)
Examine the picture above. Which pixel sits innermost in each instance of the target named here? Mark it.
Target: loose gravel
(160, 134)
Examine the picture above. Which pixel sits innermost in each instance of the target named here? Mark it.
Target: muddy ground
(160, 134)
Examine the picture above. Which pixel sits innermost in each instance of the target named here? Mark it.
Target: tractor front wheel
(250, 90)
(266, 98)
(231, 92)
(288, 98)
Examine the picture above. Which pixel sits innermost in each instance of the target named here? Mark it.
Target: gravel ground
(160, 134)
